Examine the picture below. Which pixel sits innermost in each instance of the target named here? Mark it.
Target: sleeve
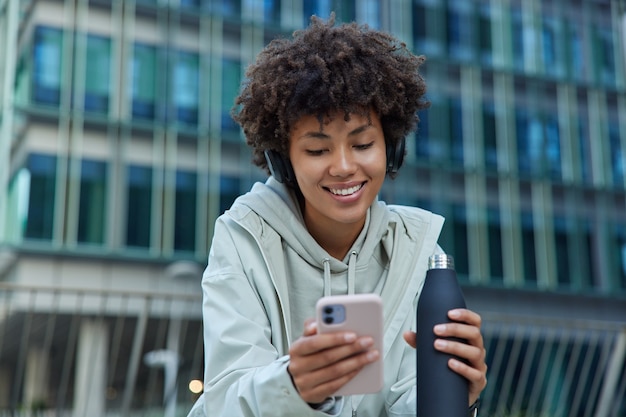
(244, 373)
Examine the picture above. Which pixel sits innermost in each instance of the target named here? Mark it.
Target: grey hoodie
(264, 275)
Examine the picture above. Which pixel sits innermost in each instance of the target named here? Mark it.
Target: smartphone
(363, 315)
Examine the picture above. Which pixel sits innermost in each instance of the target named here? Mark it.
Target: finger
(461, 331)
(411, 338)
(310, 327)
(465, 316)
(323, 358)
(477, 377)
(311, 344)
(326, 381)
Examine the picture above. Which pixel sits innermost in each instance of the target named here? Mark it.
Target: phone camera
(329, 319)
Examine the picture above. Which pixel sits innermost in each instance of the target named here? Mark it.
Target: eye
(314, 152)
(364, 146)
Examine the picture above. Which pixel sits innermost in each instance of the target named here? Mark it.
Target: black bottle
(441, 392)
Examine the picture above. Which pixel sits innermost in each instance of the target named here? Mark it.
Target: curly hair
(324, 68)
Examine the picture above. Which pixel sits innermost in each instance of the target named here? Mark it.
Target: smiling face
(339, 166)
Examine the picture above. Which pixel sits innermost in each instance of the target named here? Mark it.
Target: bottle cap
(441, 261)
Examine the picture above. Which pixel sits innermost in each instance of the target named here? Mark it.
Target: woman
(326, 113)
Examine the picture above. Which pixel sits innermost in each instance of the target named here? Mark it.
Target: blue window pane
(461, 256)
(484, 34)
(518, 40)
(185, 87)
(92, 205)
(552, 151)
(489, 137)
(185, 214)
(98, 74)
(231, 78)
(47, 65)
(618, 155)
(230, 8)
(495, 245)
(528, 249)
(230, 189)
(143, 81)
(40, 217)
(422, 147)
(460, 31)
(561, 242)
(370, 12)
(604, 56)
(321, 8)
(139, 206)
(456, 130)
(584, 150)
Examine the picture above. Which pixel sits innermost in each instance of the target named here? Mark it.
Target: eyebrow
(322, 135)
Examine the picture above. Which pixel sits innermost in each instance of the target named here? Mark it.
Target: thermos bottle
(441, 392)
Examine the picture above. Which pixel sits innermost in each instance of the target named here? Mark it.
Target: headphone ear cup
(280, 167)
(395, 157)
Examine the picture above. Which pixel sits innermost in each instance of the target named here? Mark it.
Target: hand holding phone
(363, 315)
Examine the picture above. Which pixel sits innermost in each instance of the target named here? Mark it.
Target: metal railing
(76, 352)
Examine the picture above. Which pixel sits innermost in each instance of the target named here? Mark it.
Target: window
(98, 74)
(460, 29)
(619, 246)
(92, 206)
(42, 188)
(185, 214)
(495, 245)
(518, 40)
(538, 145)
(229, 191)
(231, 78)
(456, 130)
(550, 35)
(618, 155)
(423, 143)
(561, 238)
(321, 8)
(576, 64)
(185, 87)
(231, 8)
(484, 34)
(369, 12)
(584, 150)
(528, 249)
(139, 206)
(47, 63)
(604, 57)
(143, 82)
(489, 137)
(459, 225)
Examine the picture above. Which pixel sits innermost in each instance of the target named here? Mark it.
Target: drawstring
(351, 288)
(327, 288)
(351, 272)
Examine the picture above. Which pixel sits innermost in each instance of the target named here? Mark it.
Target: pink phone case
(364, 316)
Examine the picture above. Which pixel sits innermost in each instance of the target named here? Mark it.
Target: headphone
(282, 170)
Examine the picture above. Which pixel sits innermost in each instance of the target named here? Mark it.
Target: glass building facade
(116, 144)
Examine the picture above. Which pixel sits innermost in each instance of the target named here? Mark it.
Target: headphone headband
(282, 170)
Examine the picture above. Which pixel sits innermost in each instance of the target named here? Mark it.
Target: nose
(343, 162)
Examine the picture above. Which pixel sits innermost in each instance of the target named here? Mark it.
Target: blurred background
(117, 153)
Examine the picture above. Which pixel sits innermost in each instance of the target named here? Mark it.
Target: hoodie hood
(278, 205)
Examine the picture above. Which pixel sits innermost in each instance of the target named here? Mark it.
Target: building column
(37, 376)
(91, 369)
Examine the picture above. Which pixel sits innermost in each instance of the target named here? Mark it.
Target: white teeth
(346, 191)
